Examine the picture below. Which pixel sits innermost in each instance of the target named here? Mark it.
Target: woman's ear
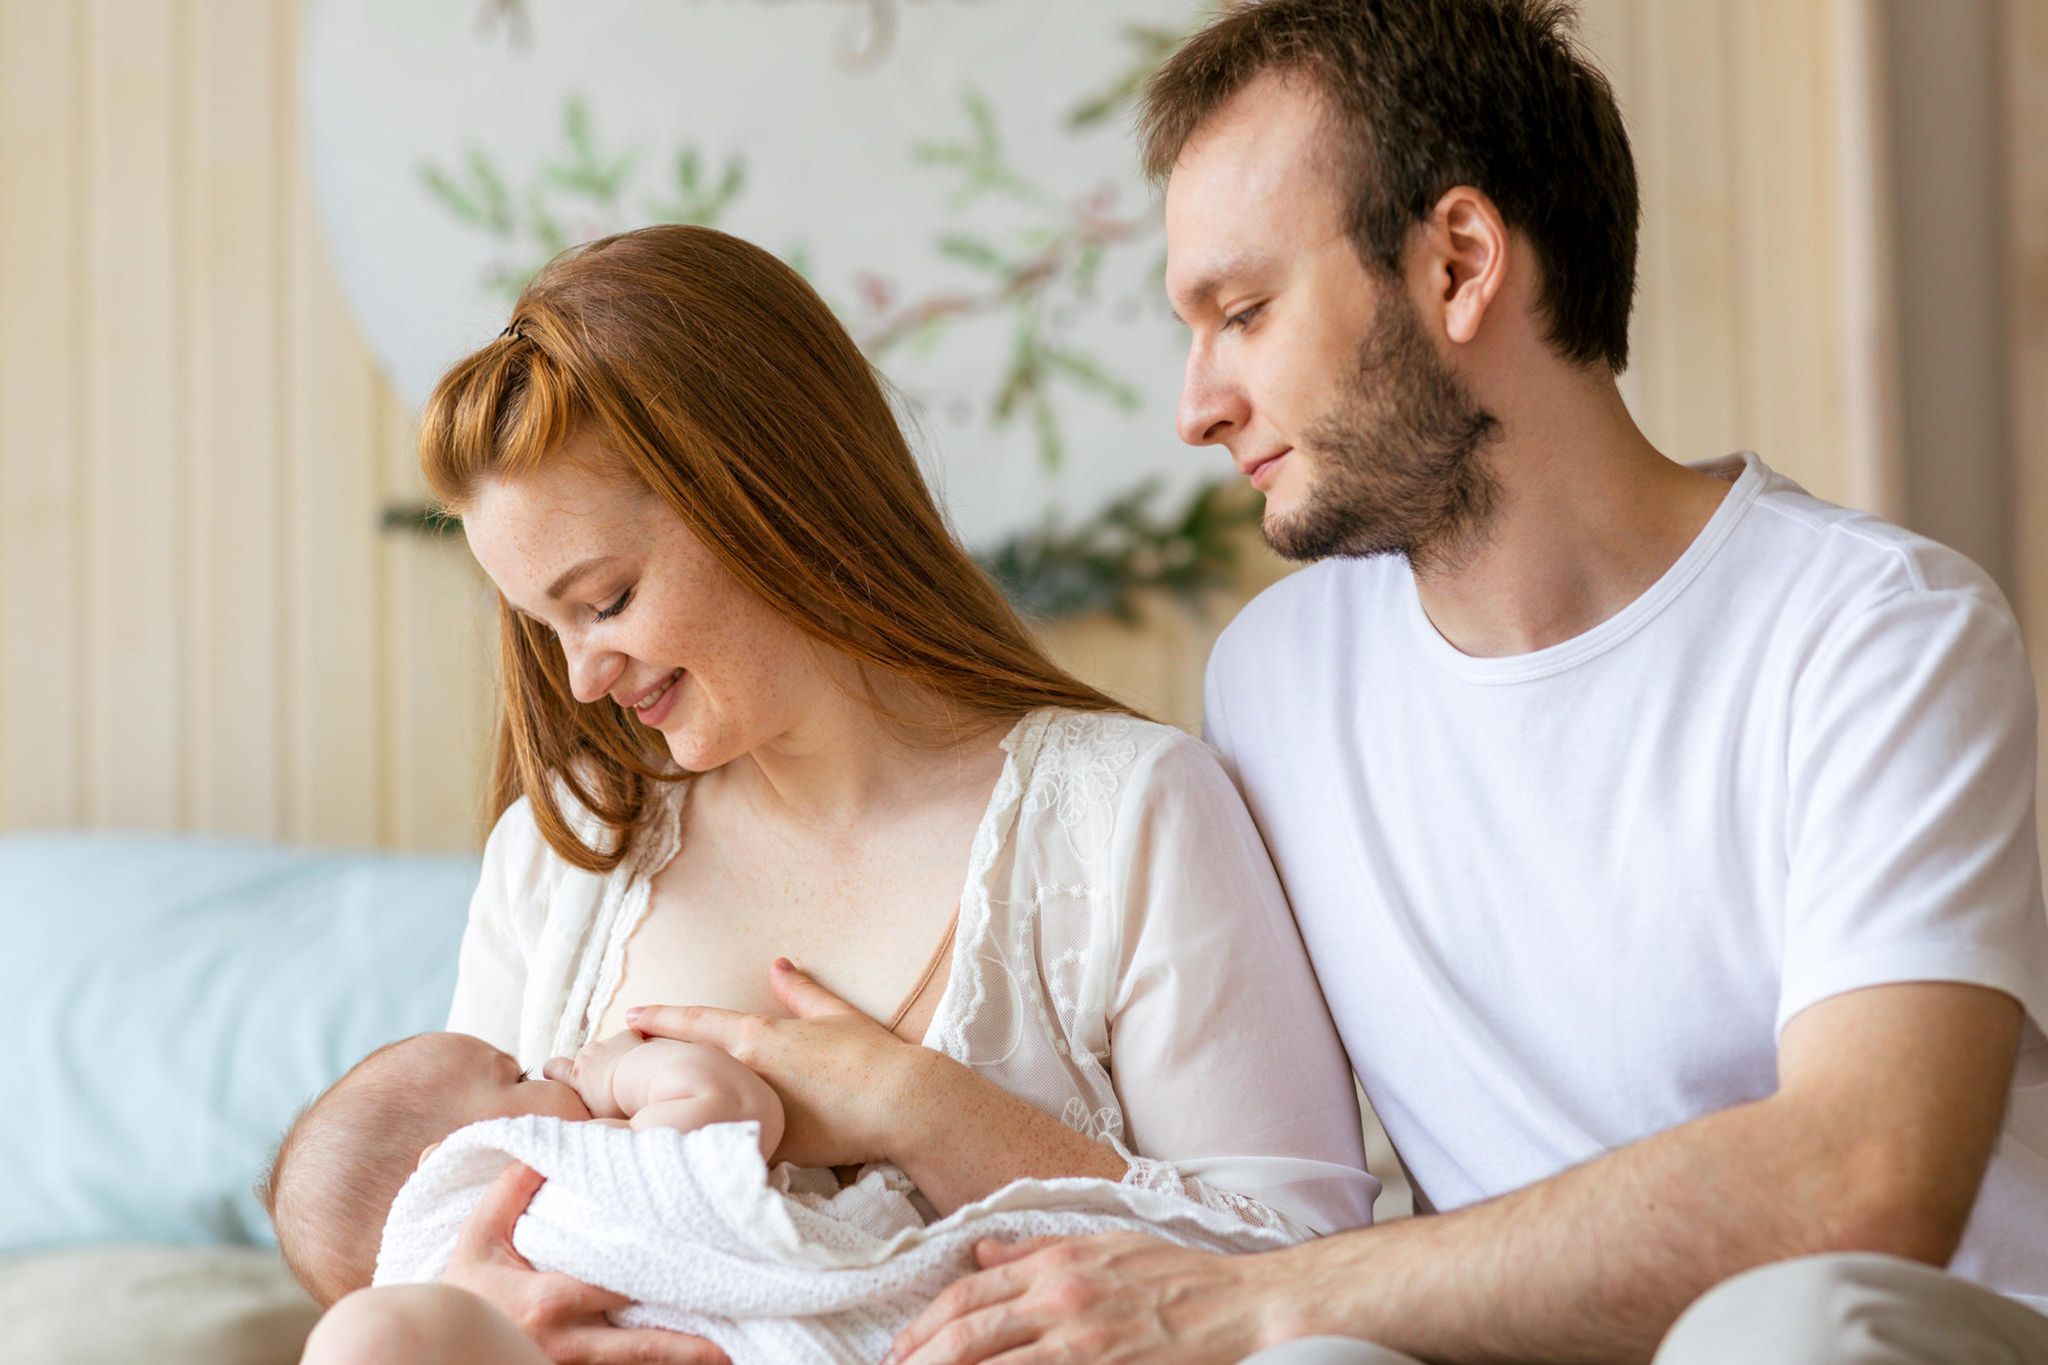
(1468, 258)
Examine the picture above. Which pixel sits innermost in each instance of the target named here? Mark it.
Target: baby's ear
(426, 1152)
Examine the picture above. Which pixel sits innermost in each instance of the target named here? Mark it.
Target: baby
(340, 1165)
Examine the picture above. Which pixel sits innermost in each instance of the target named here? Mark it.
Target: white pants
(1817, 1310)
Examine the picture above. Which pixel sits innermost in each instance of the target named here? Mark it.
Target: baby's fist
(592, 1070)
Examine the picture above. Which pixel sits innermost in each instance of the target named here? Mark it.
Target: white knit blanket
(694, 1229)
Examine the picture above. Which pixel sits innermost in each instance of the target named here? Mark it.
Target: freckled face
(646, 618)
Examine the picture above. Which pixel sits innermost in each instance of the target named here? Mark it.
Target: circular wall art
(957, 178)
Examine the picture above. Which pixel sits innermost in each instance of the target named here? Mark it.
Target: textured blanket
(772, 1267)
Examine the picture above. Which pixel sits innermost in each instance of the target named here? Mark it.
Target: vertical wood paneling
(135, 580)
(2025, 96)
(40, 103)
(1783, 116)
(334, 638)
(234, 390)
(438, 680)
(200, 624)
(1690, 311)
(1606, 33)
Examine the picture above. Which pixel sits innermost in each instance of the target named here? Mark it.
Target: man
(1663, 837)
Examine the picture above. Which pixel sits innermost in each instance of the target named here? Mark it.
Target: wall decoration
(956, 177)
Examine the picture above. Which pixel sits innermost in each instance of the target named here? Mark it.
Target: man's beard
(1395, 465)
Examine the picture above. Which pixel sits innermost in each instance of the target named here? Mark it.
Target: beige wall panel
(1608, 34)
(41, 107)
(334, 638)
(1784, 119)
(1691, 311)
(136, 582)
(2026, 234)
(234, 373)
(1157, 667)
(439, 679)
(200, 624)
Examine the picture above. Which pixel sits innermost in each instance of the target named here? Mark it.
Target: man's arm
(1888, 1106)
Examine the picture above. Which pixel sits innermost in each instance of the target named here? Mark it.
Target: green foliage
(1053, 260)
(1151, 45)
(1124, 550)
(1035, 274)
(578, 184)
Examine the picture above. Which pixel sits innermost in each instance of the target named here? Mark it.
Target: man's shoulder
(1842, 554)
(1299, 616)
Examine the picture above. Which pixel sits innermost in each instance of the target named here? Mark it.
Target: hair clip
(513, 332)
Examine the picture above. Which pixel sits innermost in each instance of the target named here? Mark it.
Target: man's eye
(1240, 319)
(615, 608)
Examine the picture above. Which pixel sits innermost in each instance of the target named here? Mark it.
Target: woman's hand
(846, 1083)
(564, 1317)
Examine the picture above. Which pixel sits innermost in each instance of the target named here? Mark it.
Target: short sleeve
(1910, 824)
(504, 915)
(1222, 1052)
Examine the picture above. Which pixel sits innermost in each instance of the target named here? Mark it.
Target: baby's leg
(668, 1084)
(422, 1324)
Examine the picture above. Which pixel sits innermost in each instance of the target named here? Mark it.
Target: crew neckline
(1589, 644)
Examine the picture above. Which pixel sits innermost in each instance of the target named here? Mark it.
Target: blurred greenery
(1040, 274)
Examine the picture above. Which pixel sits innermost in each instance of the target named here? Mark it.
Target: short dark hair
(1426, 95)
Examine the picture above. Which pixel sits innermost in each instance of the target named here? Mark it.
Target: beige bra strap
(931, 969)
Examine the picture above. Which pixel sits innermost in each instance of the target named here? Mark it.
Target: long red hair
(718, 378)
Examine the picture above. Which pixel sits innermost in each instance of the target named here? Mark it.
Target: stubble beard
(1397, 463)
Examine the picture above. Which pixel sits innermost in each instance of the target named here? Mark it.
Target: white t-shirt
(1564, 900)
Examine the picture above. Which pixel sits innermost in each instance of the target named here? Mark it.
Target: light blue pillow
(172, 1002)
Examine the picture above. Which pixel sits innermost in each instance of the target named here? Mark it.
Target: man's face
(1315, 372)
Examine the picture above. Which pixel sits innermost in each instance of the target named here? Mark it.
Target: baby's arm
(662, 1083)
(668, 1084)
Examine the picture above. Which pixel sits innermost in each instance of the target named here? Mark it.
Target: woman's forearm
(960, 1137)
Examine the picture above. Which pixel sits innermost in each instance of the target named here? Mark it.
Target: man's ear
(1466, 249)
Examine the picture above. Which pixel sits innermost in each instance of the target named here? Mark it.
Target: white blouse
(1125, 960)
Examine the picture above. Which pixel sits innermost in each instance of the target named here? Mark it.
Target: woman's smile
(653, 708)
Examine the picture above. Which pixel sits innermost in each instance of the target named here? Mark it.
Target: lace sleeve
(1233, 1086)
(1148, 1174)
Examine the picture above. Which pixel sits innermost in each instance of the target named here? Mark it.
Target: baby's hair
(330, 1184)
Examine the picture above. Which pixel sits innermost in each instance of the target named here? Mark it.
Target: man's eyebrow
(1215, 277)
(568, 579)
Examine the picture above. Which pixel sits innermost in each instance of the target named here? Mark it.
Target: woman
(760, 707)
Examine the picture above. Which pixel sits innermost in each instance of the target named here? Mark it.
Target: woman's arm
(490, 974)
(1230, 1073)
(855, 1092)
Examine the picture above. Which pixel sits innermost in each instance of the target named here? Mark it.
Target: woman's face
(646, 617)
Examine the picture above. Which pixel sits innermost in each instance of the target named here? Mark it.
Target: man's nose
(1211, 404)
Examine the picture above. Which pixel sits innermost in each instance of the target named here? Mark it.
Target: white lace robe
(1125, 961)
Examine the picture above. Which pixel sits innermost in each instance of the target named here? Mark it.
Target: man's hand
(564, 1317)
(1122, 1296)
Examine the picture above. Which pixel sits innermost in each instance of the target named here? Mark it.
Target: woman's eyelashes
(607, 613)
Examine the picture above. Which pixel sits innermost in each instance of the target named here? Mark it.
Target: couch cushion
(170, 1004)
(165, 1305)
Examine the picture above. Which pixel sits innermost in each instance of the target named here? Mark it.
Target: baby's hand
(592, 1070)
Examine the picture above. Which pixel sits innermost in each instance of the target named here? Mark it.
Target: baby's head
(340, 1165)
